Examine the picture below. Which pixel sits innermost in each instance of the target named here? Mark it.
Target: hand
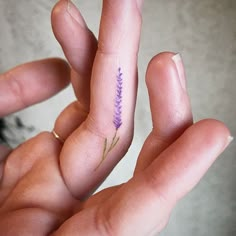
(47, 183)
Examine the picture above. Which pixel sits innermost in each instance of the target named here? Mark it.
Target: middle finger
(96, 147)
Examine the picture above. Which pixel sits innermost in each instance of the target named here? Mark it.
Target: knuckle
(161, 197)
(92, 126)
(103, 224)
(159, 138)
(105, 49)
(16, 88)
(155, 184)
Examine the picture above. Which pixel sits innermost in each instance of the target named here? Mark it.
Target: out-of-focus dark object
(13, 131)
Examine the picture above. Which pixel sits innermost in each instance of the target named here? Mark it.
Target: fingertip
(163, 55)
(169, 101)
(159, 62)
(213, 124)
(31, 83)
(58, 17)
(57, 73)
(66, 8)
(169, 62)
(119, 18)
(77, 41)
(216, 132)
(63, 70)
(167, 55)
(66, 18)
(57, 9)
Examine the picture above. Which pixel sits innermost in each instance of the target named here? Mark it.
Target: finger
(33, 180)
(96, 199)
(105, 136)
(153, 193)
(79, 45)
(31, 83)
(22, 161)
(169, 103)
(28, 176)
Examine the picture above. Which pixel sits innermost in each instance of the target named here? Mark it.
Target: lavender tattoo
(117, 116)
(117, 119)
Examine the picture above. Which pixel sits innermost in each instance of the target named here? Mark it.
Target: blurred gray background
(204, 32)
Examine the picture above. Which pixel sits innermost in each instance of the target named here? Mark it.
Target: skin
(46, 186)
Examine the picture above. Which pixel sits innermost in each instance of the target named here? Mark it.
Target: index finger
(31, 83)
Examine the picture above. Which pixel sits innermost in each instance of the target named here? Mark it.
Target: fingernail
(180, 68)
(230, 140)
(74, 13)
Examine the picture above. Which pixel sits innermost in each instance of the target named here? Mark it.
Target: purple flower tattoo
(118, 100)
(117, 118)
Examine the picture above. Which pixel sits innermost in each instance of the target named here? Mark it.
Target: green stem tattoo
(107, 149)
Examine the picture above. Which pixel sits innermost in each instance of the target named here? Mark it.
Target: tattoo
(117, 116)
(117, 119)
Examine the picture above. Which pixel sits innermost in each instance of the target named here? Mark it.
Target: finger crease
(16, 89)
